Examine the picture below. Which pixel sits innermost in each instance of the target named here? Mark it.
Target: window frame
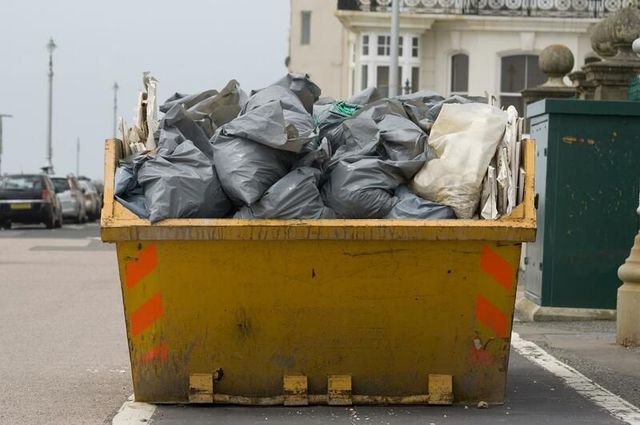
(305, 31)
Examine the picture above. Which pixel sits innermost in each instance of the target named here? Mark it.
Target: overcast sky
(188, 46)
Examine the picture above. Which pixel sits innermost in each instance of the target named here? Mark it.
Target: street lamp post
(115, 108)
(48, 166)
(394, 79)
(2, 117)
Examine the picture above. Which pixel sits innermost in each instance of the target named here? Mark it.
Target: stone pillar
(584, 89)
(555, 61)
(628, 307)
(613, 75)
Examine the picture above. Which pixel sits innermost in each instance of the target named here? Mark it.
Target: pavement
(63, 347)
(64, 358)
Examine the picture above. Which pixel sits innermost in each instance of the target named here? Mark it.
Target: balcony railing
(540, 8)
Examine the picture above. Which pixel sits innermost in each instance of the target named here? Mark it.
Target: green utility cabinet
(587, 178)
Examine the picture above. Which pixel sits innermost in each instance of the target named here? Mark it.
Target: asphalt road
(63, 350)
(64, 357)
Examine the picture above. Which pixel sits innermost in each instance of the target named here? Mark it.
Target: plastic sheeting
(182, 184)
(296, 195)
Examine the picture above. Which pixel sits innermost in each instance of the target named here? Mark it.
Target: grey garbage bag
(182, 184)
(186, 100)
(128, 192)
(328, 118)
(411, 206)
(303, 87)
(289, 100)
(401, 139)
(210, 109)
(252, 152)
(219, 109)
(366, 96)
(360, 138)
(266, 125)
(295, 196)
(317, 158)
(362, 188)
(424, 108)
(299, 122)
(176, 127)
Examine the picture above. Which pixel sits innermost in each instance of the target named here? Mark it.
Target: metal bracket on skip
(339, 393)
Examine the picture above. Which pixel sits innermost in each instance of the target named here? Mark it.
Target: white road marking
(133, 413)
(616, 406)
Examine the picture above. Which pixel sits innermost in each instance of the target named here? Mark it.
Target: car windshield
(61, 184)
(21, 182)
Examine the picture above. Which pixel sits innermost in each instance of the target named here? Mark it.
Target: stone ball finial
(556, 61)
(600, 42)
(620, 30)
(636, 49)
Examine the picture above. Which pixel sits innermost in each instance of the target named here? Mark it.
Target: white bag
(464, 138)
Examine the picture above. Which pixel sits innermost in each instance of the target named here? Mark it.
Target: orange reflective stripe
(491, 316)
(146, 314)
(496, 266)
(159, 352)
(139, 267)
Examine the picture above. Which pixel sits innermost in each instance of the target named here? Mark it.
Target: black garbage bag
(295, 196)
(253, 152)
(411, 206)
(182, 184)
(362, 187)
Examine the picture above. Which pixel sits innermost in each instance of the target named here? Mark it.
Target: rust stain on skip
(572, 140)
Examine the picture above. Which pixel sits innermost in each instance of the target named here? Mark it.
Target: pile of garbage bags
(284, 152)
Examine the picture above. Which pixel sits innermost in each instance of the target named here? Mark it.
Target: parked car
(71, 197)
(92, 199)
(29, 199)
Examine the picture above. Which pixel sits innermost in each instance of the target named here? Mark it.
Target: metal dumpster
(320, 311)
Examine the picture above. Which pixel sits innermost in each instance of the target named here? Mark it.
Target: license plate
(23, 206)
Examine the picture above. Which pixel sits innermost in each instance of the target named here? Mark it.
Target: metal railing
(540, 8)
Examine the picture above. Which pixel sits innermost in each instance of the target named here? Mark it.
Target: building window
(382, 80)
(305, 35)
(460, 74)
(365, 45)
(364, 78)
(415, 47)
(384, 45)
(518, 72)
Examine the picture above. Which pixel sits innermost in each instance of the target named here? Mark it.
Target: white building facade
(473, 47)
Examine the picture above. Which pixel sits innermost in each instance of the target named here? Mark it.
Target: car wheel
(6, 225)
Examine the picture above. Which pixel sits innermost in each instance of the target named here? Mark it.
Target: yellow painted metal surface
(251, 303)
